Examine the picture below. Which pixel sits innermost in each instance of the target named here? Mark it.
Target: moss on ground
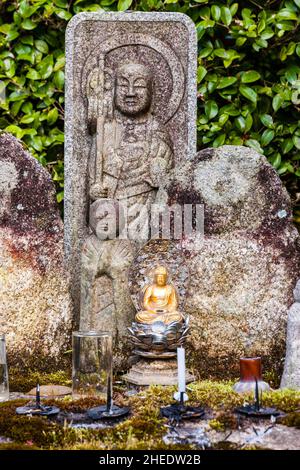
(291, 419)
(143, 429)
(19, 382)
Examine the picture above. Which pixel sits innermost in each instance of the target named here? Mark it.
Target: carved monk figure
(105, 259)
(160, 301)
(133, 150)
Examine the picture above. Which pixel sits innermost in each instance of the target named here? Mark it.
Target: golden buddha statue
(160, 301)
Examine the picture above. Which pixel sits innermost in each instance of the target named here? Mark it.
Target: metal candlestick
(108, 411)
(255, 410)
(179, 411)
(36, 409)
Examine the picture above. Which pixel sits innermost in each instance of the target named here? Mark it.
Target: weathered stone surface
(242, 273)
(52, 391)
(297, 292)
(291, 373)
(130, 114)
(35, 311)
(262, 435)
(157, 372)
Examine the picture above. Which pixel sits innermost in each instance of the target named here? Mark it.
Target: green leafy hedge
(248, 75)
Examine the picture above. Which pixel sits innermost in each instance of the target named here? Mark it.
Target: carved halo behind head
(159, 57)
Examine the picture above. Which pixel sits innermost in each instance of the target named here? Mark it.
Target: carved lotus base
(155, 372)
(158, 340)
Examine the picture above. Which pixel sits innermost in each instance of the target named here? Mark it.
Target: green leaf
(52, 116)
(234, 8)
(18, 95)
(16, 108)
(3, 123)
(27, 119)
(37, 143)
(60, 197)
(248, 123)
(267, 136)
(250, 76)
(286, 14)
(27, 107)
(240, 41)
(33, 75)
(59, 79)
(254, 144)
(206, 51)
(215, 12)
(45, 67)
(284, 167)
(221, 53)
(223, 119)
(219, 140)
(42, 46)
(226, 81)
(231, 110)
(63, 14)
(5, 28)
(27, 40)
(277, 102)
(211, 109)
(240, 123)
(22, 49)
(28, 24)
(248, 93)
(287, 145)
(9, 67)
(296, 140)
(226, 16)
(275, 160)
(124, 4)
(15, 130)
(267, 120)
(61, 3)
(60, 63)
(201, 72)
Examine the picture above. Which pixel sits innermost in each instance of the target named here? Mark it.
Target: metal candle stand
(36, 409)
(255, 410)
(179, 411)
(108, 411)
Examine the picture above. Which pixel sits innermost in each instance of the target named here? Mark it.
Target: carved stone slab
(107, 53)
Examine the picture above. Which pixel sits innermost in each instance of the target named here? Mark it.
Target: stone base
(157, 372)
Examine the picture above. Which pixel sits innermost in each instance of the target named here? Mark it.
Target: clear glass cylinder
(4, 387)
(92, 364)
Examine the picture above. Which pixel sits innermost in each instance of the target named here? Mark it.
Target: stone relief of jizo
(105, 260)
(132, 150)
(131, 153)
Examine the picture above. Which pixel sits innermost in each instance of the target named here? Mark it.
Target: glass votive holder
(92, 364)
(250, 374)
(4, 387)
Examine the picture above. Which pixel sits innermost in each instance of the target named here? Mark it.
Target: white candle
(181, 369)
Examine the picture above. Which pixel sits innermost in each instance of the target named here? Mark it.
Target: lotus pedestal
(155, 369)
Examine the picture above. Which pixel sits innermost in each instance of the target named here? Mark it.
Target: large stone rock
(35, 312)
(242, 273)
(291, 373)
